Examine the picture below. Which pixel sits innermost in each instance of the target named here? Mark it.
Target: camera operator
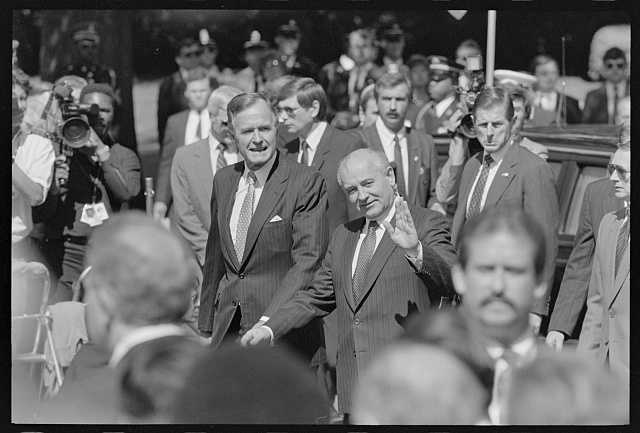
(31, 171)
(99, 177)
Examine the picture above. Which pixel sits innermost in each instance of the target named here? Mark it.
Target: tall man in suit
(600, 105)
(606, 328)
(412, 153)
(379, 268)
(501, 276)
(193, 169)
(268, 232)
(183, 128)
(504, 174)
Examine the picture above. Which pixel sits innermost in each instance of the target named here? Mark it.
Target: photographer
(98, 178)
(31, 171)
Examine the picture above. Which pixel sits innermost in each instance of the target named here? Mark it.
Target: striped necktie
(305, 153)
(364, 258)
(221, 162)
(476, 197)
(623, 240)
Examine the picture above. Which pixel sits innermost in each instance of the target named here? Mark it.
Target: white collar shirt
(387, 139)
(498, 157)
(214, 151)
(612, 90)
(191, 130)
(379, 233)
(313, 141)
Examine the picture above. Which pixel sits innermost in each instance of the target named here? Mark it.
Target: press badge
(94, 214)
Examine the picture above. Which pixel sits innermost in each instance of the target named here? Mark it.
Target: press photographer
(96, 179)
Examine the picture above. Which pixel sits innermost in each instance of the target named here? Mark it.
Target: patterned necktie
(623, 240)
(305, 153)
(246, 212)
(397, 155)
(221, 162)
(476, 197)
(364, 258)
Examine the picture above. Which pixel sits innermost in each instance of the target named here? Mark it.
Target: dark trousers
(71, 258)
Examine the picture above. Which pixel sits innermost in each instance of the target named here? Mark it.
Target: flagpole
(491, 48)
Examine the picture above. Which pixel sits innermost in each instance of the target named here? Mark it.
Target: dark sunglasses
(193, 53)
(611, 65)
(622, 173)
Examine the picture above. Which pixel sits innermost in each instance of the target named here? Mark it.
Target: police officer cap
(442, 68)
(255, 41)
(290, 30)
(86, 34)
(613, 54)
(518, 78)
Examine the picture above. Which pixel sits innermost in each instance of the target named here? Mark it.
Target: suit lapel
(202, 163)
(504, 176)
(324, 147)
(226, 203)
(415, 157)
(372, 137)
(465, 187)
(623, 271)
(271, 194)
(347, 260)
(291, 149)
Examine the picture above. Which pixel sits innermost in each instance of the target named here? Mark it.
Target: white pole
(491, 48)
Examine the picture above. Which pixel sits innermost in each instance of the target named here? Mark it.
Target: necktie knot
(373, 226)
(488, 159)
(251, 178)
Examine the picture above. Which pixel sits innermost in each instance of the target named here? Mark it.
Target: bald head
(398, 388)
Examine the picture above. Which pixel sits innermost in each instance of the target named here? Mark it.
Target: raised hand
(404, 234)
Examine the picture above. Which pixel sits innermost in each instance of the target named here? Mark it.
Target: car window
(587, 175)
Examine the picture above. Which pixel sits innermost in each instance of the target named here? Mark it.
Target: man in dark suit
(380, 268)
(606, 330)
(193, 169)
(412, 153)
(288, 41)
(501, 276)
(183, 128)
(600, 105)
(568, 311)
(268, 232)
(504, 174)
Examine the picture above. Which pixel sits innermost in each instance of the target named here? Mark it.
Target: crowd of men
(305, 243)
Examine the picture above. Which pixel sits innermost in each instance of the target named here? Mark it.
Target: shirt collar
(313, 140)
(141, 335)
(522, 346)
(499, 155)
(386, 135)
(262, 173)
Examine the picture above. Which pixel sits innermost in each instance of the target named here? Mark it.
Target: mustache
(502, 299)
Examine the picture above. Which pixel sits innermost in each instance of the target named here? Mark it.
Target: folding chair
(36, 271)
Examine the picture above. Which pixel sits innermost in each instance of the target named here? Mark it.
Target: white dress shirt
(547, 101)
(191, 131)
(313, 140)
(493, 169)
(214, 151)
(611, 90)
(243, 185)
(387, 138)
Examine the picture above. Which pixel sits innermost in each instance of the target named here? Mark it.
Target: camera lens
(75, 132)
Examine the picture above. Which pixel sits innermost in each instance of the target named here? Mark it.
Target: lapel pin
(505, 174)
(415, 158)
(421, 171)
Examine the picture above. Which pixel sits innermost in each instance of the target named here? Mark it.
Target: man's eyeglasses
(622, 173)
(611, 65)
(196, 53)
(291, 112)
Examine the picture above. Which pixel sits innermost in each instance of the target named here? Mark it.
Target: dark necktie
(199, 130)
(397, 155)
(305, 153)
(221, 162)
(476, 197)
(615, 105)
(623, 240)
(364, 258)
(246, 212)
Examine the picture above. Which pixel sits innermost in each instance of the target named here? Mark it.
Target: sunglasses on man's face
(611, 65)
(196, 53)
(622, 173)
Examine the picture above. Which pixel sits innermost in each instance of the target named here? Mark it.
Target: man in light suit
(379, 268)
(606, 328)
(193, 169)
(568, 311)
(600, 105)
(183, 128)
(414, 158)
(505, 174)
(268, 233)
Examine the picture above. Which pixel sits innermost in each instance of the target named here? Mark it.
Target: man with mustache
(500, 276)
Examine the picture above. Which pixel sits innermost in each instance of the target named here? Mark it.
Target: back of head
(220, 97)
(273, 86)
(563, 389)
(306, 91)
(141, 272)
(103, 88)
(507, 218)
(518, 92)
(413, 383)
(234, 385)
(494, 97)
(151, 375)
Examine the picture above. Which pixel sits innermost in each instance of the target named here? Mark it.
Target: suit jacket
(599, 199)
(606, 328)
(423, 164)
(542, 117)
(523, 179)
(173, 139)
(279, 259)
(191, 184)
(333, 147)
(429, 123)
(393, 288)
(595, 106)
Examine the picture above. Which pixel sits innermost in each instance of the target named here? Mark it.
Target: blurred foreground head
(141, 274)
(414, 383)
(233, 385)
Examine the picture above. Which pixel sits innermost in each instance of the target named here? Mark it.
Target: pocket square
(275, 219)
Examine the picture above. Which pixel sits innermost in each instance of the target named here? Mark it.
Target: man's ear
(178, 60)
(315, 108)
(391, 176)
(457, 275)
